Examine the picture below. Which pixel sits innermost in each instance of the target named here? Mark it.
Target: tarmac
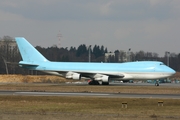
(94, 94)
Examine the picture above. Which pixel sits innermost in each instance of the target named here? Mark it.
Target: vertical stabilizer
(28, 52)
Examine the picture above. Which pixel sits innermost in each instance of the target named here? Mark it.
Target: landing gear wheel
(93, 82)
(105, 83)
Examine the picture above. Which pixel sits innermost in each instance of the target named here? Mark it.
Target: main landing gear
(157, 83)
(105, 83)
(93, 82)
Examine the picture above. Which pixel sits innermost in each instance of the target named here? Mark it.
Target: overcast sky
(148, 25)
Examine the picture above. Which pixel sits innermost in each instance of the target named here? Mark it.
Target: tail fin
(28, 52)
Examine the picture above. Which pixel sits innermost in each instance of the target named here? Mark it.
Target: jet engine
(72, 75)
(103, 78)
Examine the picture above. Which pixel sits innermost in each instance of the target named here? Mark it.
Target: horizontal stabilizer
(27, 64)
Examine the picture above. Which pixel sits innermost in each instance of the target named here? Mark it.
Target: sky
(148, 25)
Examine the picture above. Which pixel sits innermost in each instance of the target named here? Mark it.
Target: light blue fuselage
(132, 70)
(34, 60)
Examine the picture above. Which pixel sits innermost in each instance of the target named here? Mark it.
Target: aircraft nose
(171, 71)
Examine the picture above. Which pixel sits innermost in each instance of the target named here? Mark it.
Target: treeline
(80, 54)
(10, 56)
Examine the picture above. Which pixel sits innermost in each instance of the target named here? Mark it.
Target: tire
(105, 83)
(93, 82)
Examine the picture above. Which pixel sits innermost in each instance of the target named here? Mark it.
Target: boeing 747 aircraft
(104, 72)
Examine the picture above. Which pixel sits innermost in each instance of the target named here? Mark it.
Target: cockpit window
(161, 63)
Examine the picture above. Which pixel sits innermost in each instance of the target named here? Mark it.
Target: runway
(111, 95)
(127, 84)
(88, 93)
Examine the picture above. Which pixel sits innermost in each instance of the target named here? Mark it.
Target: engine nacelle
(103, 78)
(75, 76)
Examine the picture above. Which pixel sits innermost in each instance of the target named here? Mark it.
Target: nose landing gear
(157, 83)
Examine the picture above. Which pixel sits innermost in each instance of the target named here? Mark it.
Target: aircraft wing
(91, 74)
(111, 75)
